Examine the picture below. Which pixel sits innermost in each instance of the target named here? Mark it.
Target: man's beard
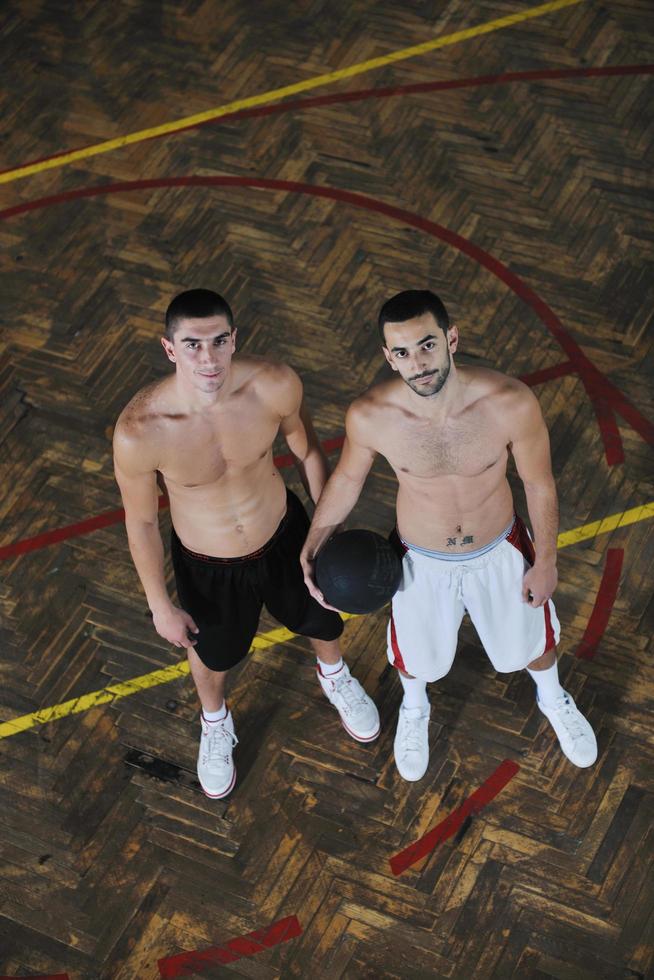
(431, 389)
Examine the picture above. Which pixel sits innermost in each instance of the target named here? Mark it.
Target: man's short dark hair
(410, 304)
(196, 304)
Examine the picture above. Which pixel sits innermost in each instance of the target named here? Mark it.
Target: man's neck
(193, 401)
(439, 406)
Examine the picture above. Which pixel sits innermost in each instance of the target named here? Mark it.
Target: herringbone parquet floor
(112, 860)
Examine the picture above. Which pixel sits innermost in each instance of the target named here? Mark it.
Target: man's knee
(548, 659)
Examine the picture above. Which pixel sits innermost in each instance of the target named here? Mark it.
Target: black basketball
(358, 571)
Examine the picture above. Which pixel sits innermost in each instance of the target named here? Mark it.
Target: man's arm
(297, 428)
(339, 495)
(531, 451)
(138, 487)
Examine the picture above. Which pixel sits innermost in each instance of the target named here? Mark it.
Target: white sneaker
(358, 712)
(411, 746)
(216, 770)
(574, 732)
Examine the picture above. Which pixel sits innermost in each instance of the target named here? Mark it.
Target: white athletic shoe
(216, 770)
(411, 746)
(358, 712)
(574, 732)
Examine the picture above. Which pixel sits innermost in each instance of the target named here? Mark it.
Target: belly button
(239, 528)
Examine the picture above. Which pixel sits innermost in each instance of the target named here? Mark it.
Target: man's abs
(231, 517)
(453, 514)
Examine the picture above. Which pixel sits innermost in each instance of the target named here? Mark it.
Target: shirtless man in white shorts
(209, 429)
(447, 433)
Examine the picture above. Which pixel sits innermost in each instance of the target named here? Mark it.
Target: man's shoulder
(273, 383)
(484, 382)
(382, 395)
(372, 406)
(142, 414)
(505, 401)
(266, 371)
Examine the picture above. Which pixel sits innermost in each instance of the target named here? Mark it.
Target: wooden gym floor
(505, 166)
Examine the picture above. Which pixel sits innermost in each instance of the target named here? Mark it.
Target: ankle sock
(548, 686)
(327, 669)
(214, 716)
(415, 692)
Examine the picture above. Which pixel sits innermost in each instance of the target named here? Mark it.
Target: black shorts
(225, 595)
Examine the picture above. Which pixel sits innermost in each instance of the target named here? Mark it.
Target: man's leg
(210, 684)
(544, 672)
(328, 654)
(216, 769)
(358, 712)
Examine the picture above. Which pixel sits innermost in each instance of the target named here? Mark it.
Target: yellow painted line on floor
(586, 531)
(280, 93)
(122, 690)
(276, 636)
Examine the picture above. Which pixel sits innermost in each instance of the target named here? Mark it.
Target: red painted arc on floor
(603, 605)
(606, 398)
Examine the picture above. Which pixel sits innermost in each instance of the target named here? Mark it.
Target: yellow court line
(122, 690)
(279, 93)
(586, 531)
(272, 637)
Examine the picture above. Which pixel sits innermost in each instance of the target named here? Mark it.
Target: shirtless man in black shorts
(209, 429)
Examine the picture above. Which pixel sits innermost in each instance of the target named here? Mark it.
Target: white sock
(415, 692)
(214, 716)
(327, 669)
(547, 684)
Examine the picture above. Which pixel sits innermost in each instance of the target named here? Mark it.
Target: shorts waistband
(238, 559)
(462, 556)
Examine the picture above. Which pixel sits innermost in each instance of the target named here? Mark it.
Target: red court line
(604, 601)
(417, 88)
(548, 374)
(186, 964)
(110, 517)
(452, 823)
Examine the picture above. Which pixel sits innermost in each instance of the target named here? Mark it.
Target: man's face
(420, 352)
(201, 350)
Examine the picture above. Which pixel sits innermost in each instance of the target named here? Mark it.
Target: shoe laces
(569, 716)
(219, 743)
(349, 693)
(411, 734)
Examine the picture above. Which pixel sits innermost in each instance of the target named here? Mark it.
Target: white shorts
(427, 609)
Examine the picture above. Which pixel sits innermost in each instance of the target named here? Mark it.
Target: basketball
(358, 571)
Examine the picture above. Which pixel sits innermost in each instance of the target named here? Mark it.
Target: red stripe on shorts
(397, 656)
(518, 536)
(550, 642)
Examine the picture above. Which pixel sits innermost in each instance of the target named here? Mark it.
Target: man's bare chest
(201, 452)
(464, 448)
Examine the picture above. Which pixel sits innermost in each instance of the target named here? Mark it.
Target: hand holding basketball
(357, 571)
(309, 569)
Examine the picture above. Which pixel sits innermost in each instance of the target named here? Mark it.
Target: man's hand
(175, 625)
(538, 584)
(308, 567)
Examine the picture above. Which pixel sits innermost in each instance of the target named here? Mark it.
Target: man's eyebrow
(198, 340)
(430, 336)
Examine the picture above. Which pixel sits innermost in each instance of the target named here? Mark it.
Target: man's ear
(389, 358)
(169, 349)
(453, 338)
